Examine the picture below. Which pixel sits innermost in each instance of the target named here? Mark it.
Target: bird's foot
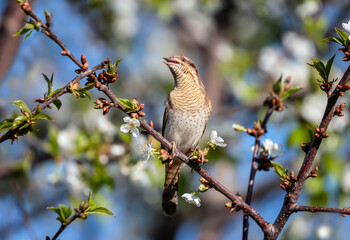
(172, 155)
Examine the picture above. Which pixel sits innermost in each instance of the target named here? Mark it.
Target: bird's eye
(183, 59)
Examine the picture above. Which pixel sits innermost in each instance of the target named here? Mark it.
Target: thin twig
(12, 132)
(300, 208)
(64, 226)
(48, 32)
(253, 170)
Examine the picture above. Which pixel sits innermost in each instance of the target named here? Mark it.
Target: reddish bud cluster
(104, 104)
(338, 110)
(342, 89)
(346, 51)
(313, 173)
(26, 7)
(164, 155)
(233, 205)
(326, 87)
(106, 77)
(275, 102)
(320, 133)
(288, 181)
(199, 155)
(257, 131)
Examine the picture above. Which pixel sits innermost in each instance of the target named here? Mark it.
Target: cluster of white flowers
(274, 150)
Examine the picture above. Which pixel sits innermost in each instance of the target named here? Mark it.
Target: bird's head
(183, 69)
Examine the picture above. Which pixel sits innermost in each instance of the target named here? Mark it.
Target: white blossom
(273, 149)
(131, 125)
(346, 26)
(146, 152)
(192, 198)
(217, 140)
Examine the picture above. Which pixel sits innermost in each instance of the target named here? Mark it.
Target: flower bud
(83, 59)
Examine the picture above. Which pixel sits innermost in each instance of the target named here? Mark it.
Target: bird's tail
(170, 198)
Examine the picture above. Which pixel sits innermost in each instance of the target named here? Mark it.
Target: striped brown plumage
(186, 114)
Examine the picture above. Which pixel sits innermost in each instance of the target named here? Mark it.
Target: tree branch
(12, 133)
(265, 226)
(293, 195)
(253, 170)
(300, 208)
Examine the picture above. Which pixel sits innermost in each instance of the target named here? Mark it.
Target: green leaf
(18, 121)
(49, 84)
(127, 103)
(343, 35)
(277, 86)
(87, 87)
(83, 93)
(290, 92)
(65, 212)
(56, 210)
(22, 105)
(57, 103)
(320, 68)
(112, 68)
(38, 110)
(28, 34)
(279, 169)
(25, 29)
(92, 203)
(7, 123)
(54, 92)
(334, 39)
(25, 129)
(329, 65)
(101, 210)
(43, 116)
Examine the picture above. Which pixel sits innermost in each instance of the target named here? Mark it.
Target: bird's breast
(185, 128)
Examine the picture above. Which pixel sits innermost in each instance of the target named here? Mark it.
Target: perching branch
(265, 226)
(290, 203)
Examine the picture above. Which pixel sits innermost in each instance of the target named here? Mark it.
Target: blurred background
(240, 49)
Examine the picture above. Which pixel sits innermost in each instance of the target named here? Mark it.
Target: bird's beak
(170, 61)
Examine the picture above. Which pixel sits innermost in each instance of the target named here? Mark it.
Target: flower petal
(125, 128)
(213, 135)
(135, 132)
